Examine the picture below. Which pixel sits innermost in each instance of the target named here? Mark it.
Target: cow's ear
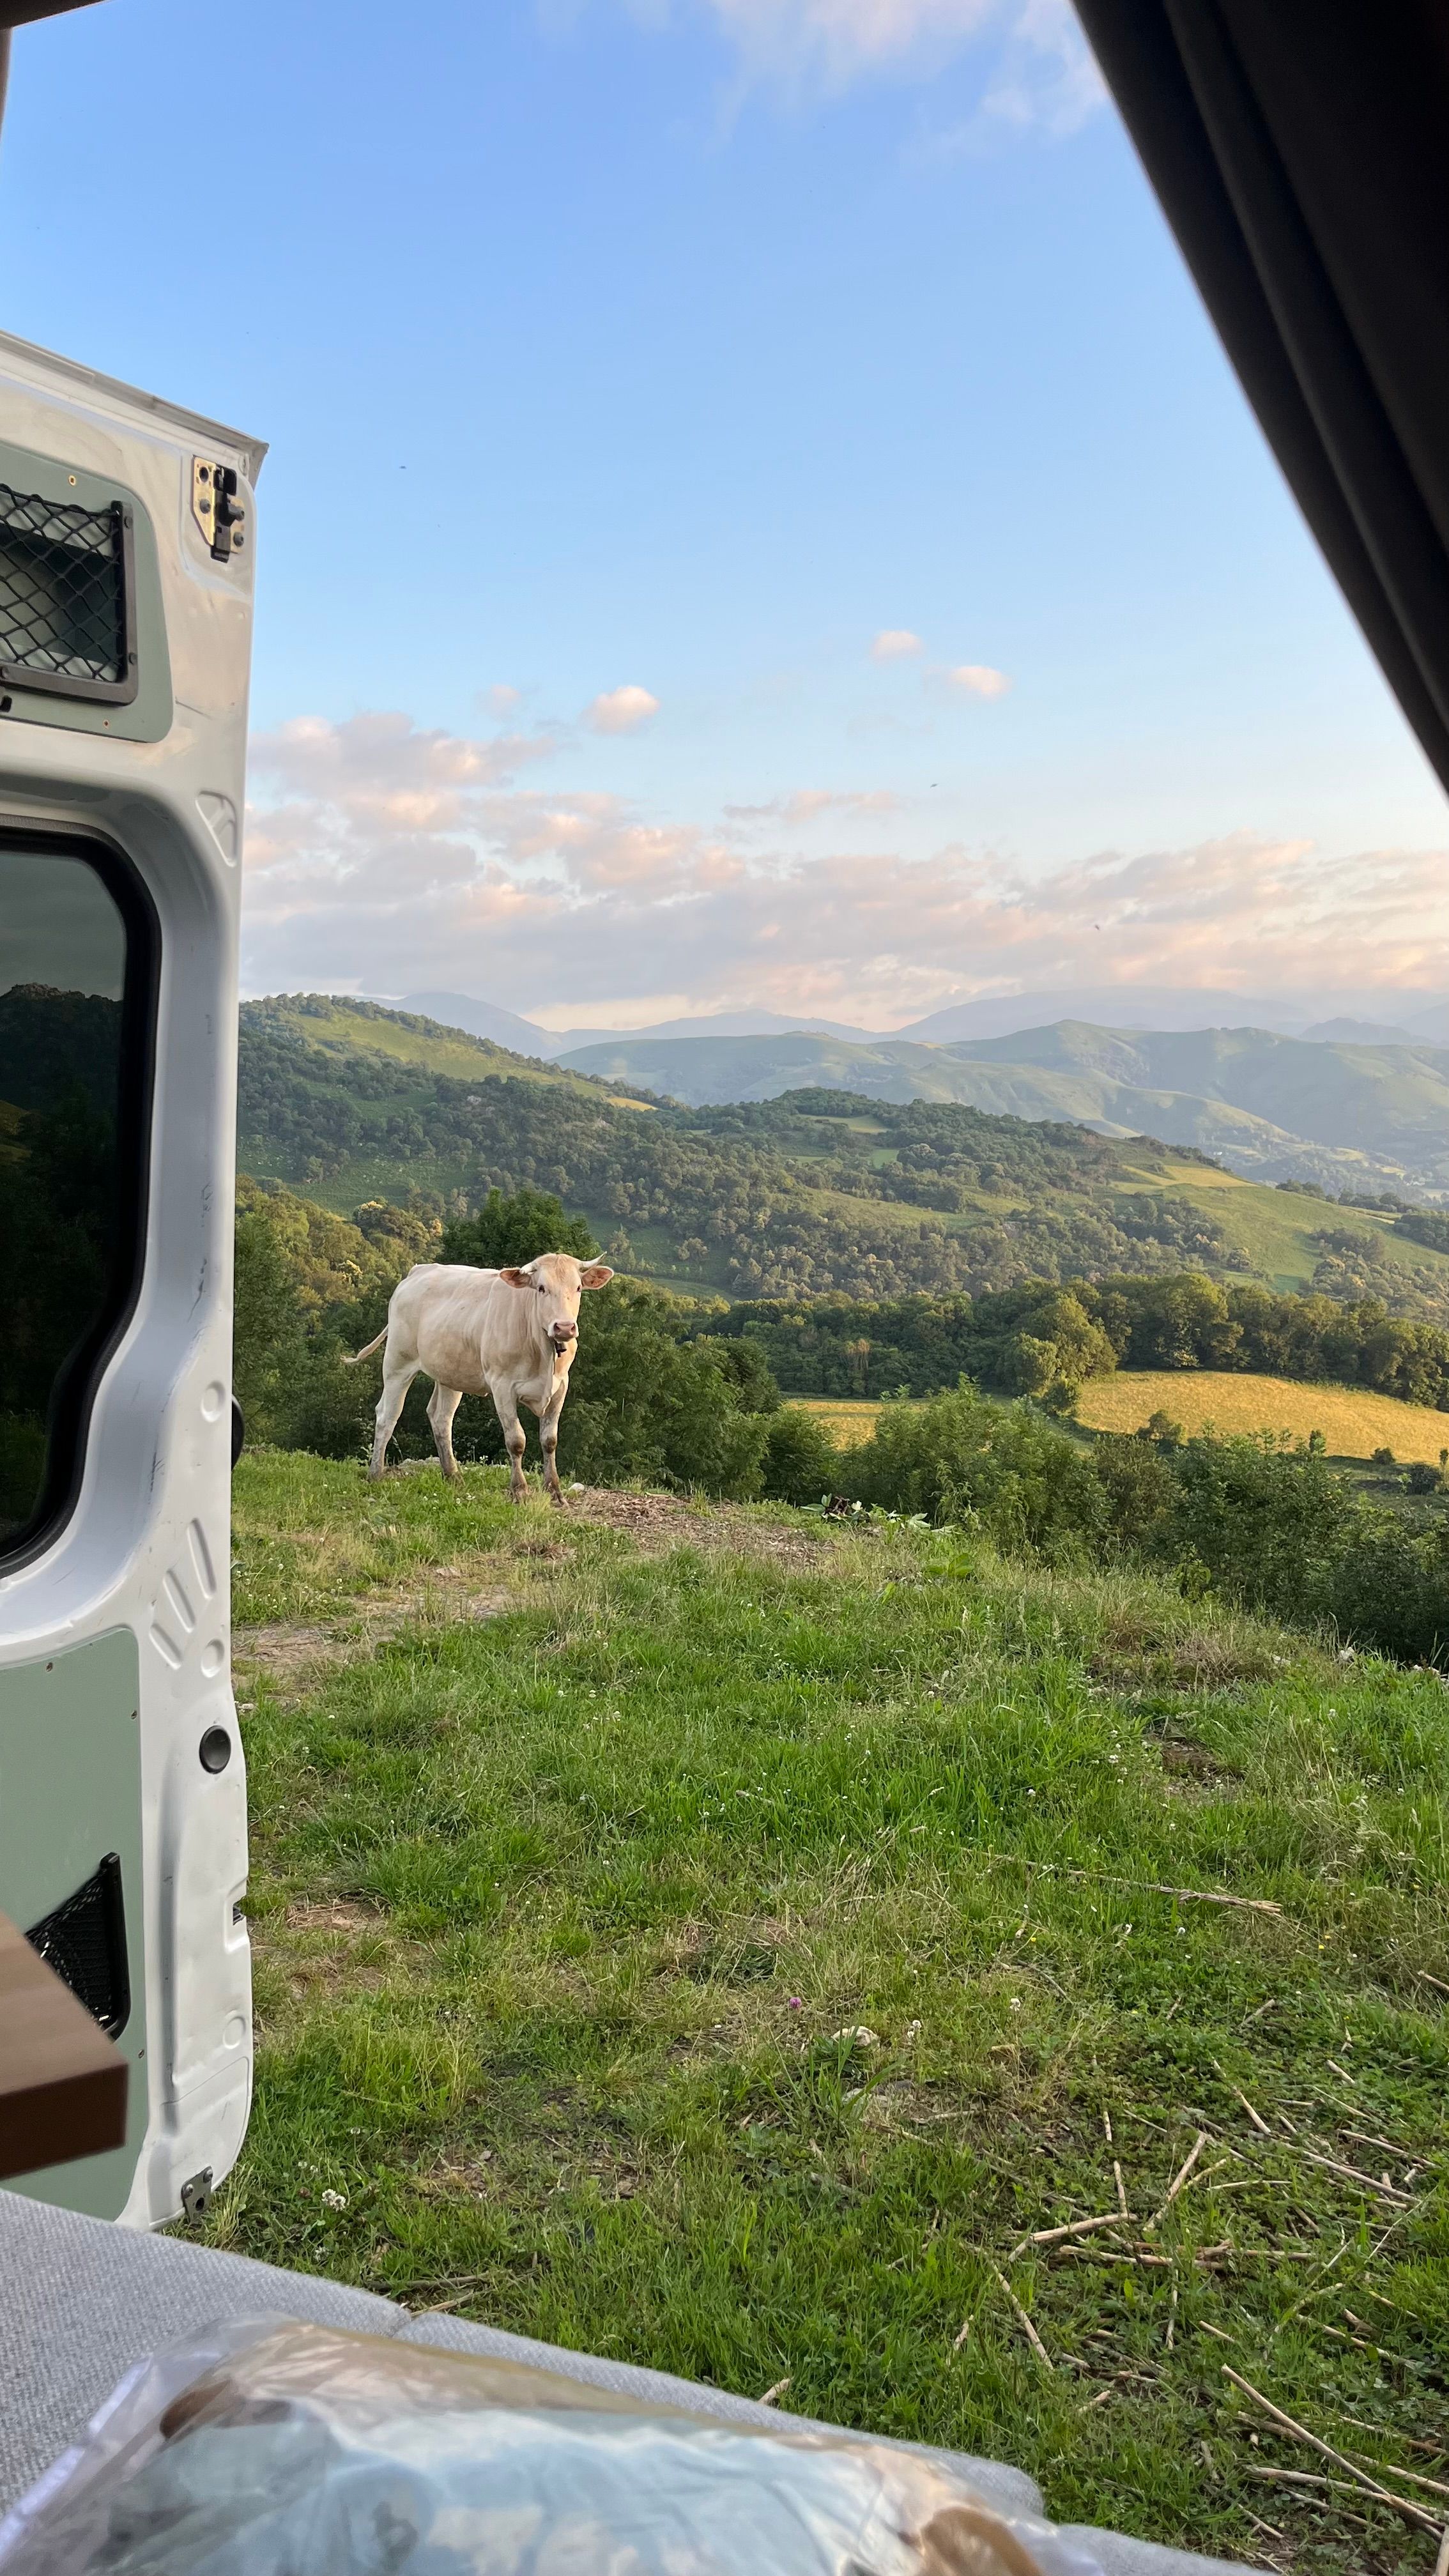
(597, 1275)
(516, 1278)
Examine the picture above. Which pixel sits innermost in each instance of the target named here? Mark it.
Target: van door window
(76, 972)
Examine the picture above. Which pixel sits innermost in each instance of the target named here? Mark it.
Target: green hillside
(1343, 1115)
(821, 1191)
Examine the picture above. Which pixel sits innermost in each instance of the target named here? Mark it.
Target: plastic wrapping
(261, 2448)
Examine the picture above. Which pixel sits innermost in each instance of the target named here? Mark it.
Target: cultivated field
(734, 1944)
(848, 1418)
(1353, 1422)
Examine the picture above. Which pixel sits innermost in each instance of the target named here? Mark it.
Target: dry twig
(1178, 2180)
(1024, 2321)
(1239, 2095)
(1148, 1887)
(1075, 2227)
(1300, 2433)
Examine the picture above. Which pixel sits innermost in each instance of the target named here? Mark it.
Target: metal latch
(217, 511)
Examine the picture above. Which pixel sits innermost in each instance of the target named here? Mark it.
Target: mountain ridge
(1333, 1112)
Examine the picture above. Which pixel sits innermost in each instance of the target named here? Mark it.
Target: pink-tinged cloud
(895, 644)
(621, 710)
(978, 680)
(388, 859)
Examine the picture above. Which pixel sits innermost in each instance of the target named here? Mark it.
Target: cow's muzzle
(562, 1334)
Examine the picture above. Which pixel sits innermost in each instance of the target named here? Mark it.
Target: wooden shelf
(62, 2082)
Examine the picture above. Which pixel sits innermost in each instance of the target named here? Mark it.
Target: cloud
(813, 804)
(620, 710)
(978, 680)
(387, 859)
(501, 699)
(894, 644)
(1042, 73)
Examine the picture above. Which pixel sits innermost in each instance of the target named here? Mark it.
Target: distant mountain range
(1357, 1018)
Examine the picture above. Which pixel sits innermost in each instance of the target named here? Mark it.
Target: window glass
(70, 1168)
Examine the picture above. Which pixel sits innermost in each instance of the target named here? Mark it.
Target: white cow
(510, 1334)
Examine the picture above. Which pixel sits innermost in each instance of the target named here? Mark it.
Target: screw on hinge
(217, 511)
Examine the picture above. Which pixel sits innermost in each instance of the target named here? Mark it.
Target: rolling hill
(822, 1191)
(1345, 1115)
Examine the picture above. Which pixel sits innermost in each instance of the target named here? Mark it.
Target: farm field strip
(704, 1937)
(1353, 1420)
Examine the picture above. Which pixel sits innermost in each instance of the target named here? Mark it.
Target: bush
(1424, 1479)
(801, 1462)
(1382, 1458)
(747, 1370)
(1270, 1524)
(1390, 1589)
(960, 1457)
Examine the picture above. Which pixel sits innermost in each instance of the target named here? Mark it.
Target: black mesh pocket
(66, 616)
(84, 1941)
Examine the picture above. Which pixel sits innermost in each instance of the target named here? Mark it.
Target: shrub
(801, 1460)
(1390, 1589)
(1424, 1479)
(1270, 1524)
(1004, 1467)
(1382, 1458)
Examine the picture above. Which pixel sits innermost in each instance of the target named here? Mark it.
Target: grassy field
(716, 1940)
(1353, 1422)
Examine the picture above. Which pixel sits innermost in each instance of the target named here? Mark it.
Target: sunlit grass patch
(727, 1961)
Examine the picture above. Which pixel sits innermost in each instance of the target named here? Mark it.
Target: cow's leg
(548, 1442)
(505, 1405)
(443, 1403)
(397, 1377)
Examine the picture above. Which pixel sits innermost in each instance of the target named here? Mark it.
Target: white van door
(126, 555)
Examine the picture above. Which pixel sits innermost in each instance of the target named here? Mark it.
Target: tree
(512, 1229)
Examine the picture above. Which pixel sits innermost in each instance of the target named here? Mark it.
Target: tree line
(1044, 1340)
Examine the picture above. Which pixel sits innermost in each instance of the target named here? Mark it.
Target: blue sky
(683, 349)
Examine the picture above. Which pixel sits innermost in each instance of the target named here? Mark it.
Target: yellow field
(848, 1418)
(1353, 1422)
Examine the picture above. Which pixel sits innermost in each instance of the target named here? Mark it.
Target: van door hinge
(217, 511)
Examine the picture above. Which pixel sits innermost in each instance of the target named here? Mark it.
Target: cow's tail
(351, 1358)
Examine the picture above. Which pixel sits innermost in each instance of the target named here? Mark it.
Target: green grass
(566, 1910)
(1277, 1228)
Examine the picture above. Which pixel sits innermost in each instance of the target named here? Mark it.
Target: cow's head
(555, 1282)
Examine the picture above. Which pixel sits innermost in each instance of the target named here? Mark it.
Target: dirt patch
(288, 1649)
(334, 1914)
(658, 1522)
(903, 2105)
(1185, 1760)
(1135, 1658)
